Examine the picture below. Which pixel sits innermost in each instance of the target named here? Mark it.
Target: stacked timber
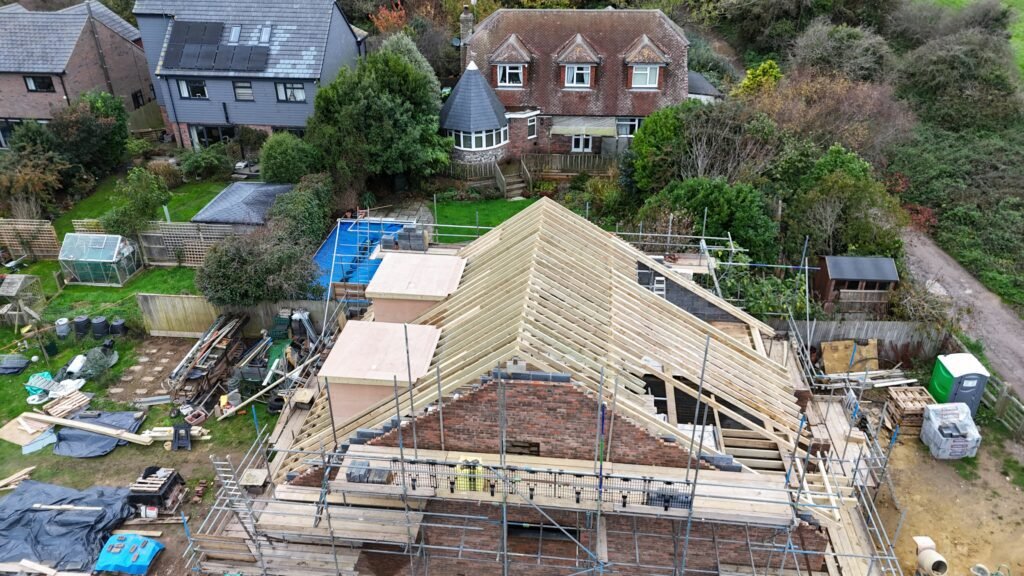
(12, 481)
(906, 408)
(864, 379)
(67, 405)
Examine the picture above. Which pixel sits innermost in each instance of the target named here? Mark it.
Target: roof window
(236, 33)
(265, 35)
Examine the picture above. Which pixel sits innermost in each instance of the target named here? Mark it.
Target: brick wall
(17, 102)
(127, 65)
(561, 418)
(470, 546)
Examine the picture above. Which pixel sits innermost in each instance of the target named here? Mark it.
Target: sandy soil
(1000, 329)
(156, 358)
(977, 521)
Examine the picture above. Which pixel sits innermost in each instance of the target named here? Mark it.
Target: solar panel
(172, 59)
(240, 60)
(213, 33)
(223, 59)
(194, 33)
(207, 54)
(258, 59)
(179, 32)
(189, 55)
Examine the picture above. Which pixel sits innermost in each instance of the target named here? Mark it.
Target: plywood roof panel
(416, 276)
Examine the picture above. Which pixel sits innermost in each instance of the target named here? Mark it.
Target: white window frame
(504, 70)
(283, 88)
(632, 124)
(650, 74)
(586, 71)
(252, 93)
(265, 35)
(531, 128)
(30, 84)
(482, 140)
(236, 34)
(186, 93)
(582, 143)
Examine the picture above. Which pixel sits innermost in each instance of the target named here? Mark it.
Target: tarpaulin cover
(128, 554)
(82, 444)
(67, 540)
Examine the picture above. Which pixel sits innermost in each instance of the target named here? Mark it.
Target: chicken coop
(99, 259)
(21, 298)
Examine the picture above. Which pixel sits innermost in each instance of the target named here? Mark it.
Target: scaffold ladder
(239, 503)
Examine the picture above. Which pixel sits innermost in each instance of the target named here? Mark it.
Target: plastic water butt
(117, 327)
(62, 327)
(81, 326)
(100, 327)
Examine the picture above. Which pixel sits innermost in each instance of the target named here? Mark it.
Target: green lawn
(1016, 28)
(185, 202)
(110, 301)
(483, 213)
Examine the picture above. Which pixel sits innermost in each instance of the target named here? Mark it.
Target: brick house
(567, 81)
(48, 59)
(221, 64)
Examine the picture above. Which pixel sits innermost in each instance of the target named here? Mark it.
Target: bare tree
(728, 141)
(25, 207)
(826, 217)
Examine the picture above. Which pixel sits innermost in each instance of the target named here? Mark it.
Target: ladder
(238, 503)
(659, 286)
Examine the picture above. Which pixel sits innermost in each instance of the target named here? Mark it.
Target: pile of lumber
(11, 482)
(866, 380)
(67, 405)
(88, 427)
(166, 433)
(906, 408)
(208, 361)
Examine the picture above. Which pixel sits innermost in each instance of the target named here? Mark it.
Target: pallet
(906, 408)
(67, 405)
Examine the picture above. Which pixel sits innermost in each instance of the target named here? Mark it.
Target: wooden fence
(173, 243)
(461, 171)
(185, 316)
(35, 238)
(902, 339)
(539, 164)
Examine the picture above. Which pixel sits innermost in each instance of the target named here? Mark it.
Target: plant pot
(50, 348)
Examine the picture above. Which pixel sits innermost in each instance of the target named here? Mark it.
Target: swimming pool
(350, 247)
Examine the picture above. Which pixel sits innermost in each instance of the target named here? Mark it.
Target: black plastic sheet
(66, 540)
(82, 444)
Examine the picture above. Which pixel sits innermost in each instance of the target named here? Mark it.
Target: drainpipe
(99, 48)
(64, 89)
(174, 111)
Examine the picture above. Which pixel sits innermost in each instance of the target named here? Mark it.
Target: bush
(169, 173)
(764, 77)
(914, 23)
(966, 80)
(138, 196)
(138, 148)
(301, 215)
(205, 162)
(853, 52)
(701, 57)
(92, 132)
(251, 141)
(286, 159)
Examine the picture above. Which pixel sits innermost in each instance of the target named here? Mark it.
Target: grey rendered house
(221, 64)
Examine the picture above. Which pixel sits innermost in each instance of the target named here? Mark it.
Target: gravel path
(987, 317)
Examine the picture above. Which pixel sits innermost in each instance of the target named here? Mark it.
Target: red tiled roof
(552, 38)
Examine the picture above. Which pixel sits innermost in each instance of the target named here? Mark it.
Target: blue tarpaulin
(128, 554)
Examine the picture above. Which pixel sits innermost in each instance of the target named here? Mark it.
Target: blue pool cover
(355, 241)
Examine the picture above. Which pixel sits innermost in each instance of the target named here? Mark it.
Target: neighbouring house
(49, 59)
(221, 64)
(701, 88)
(242, 205)
(856, 284)
(562, 81)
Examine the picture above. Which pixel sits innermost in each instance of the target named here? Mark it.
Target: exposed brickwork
(559, 417)
(480, 156)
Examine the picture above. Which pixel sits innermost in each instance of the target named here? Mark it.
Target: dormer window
(645, 76)
(510, 75)
(577, 75)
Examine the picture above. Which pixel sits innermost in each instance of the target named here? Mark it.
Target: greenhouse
(99, 259)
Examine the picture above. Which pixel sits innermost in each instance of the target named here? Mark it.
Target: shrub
(29, 178)
(759, 79)
(301, 215)
(389, 19)
(286, 159)
(138, 196)
(169, 173)
(853, 52)
(701, 57)
(205, 162)
(92, 132)
(259, 267)
(251, 141)
(913, 23)
(138, 148)
(966, 80)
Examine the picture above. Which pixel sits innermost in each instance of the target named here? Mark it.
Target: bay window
(482, 140)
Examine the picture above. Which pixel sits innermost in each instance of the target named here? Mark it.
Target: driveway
(986, 316)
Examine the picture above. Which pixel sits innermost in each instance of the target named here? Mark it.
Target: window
(39, 84)
(510, 75)
(192, 88)
(265, 35)
(545, 532)
(479, 140)
(138, 101)
(581, 143)
(6, 129)
(627, 127)
(577, 76)
(291, 92)
(522, 447)
(203, 136)
(243, 91)
(236, 33)
(645, 76)
(531, 127)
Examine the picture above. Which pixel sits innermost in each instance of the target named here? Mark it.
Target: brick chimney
(465, 29)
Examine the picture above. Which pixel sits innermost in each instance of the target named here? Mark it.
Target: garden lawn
(1016, 28)
(185, 202)
(458, 213)
(110, 301)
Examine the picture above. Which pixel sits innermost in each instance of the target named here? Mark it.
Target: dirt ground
(972, 522)
(987, 318)
(156, 358)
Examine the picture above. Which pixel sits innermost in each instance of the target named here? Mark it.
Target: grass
(490, 214)
(111, 301)
(1016, 28)
(185, 202)
(967, 468)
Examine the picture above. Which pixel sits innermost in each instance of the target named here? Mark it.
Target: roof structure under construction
(569, 405)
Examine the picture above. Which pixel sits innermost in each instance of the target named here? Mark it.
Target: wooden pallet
(66, 405)
(906, 407)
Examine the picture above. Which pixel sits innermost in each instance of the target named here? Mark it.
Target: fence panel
(569, 163)
(187, 316)
(924, 339)
(173, 243)
(35, 238)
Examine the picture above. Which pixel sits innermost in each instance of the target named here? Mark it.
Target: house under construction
(549, 400)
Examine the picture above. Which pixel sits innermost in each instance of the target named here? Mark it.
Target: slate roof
(107, 17)
(472, 106)
(298, 38)
(241, 203)
(606, 36)
(38, 41)
(11, 8)
(867, 268)
(701, 86)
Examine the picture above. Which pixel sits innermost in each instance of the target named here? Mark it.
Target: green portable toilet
(959, 378)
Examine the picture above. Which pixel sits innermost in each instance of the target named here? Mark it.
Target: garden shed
(242, 205)
(99, 259)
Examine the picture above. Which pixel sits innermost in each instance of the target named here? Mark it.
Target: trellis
(183, 243)
(35, 238)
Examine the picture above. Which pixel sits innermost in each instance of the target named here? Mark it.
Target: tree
(92, 132)
(853, 52)
(737, 209)
(285, 158)
(967, 80)
(206, 162)
(301, 215)
(400, 44)
(656, 147)
(259, 267)
(381, 118)
(759, 79)
(29, 178)
(139, 195)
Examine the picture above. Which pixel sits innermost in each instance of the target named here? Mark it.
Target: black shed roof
(867, 268)
(472, 106)
(241, 203)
